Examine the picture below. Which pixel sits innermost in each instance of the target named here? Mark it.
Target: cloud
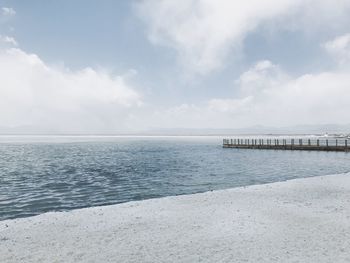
(267, 95)
(35, 94)
(8, 11)
(262, 75)
(8, 40)
(339, 48)
(204, 32)
(278, 99)
(6, 14)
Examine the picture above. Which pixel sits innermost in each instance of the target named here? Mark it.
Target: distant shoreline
(161, 135)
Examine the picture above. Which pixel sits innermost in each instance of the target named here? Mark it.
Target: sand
(302, 220)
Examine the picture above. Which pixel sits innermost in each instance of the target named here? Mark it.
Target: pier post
(309, 142)
(318, 142)
(327, 142)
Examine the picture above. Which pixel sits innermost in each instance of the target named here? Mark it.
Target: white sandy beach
(303, 220)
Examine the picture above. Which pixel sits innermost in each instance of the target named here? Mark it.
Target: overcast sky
(123, 66)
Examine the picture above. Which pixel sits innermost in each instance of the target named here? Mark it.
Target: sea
(41, 174)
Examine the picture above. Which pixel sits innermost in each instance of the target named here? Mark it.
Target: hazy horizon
(251, 130)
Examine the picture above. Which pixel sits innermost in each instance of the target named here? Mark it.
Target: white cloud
(282, 100)
(8, 40)
(35, 94)
(204, 32)
(261, 76)
(8, 11)
(339, 48)
(60, 100)
(269, 96)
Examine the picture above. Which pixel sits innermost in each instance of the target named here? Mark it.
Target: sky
(125, 66)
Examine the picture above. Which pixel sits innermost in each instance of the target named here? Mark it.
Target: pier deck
(338, 145)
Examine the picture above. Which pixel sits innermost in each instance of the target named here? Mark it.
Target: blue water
(41, 174)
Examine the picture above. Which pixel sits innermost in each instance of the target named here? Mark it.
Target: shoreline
(300, 220)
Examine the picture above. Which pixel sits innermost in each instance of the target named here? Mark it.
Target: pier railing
(307, 144)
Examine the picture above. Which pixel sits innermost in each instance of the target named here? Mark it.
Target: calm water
(39, 174)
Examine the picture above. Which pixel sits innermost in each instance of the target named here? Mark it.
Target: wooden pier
(337, 145)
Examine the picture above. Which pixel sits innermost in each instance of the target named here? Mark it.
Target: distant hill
(258, 129)
(300, 129)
